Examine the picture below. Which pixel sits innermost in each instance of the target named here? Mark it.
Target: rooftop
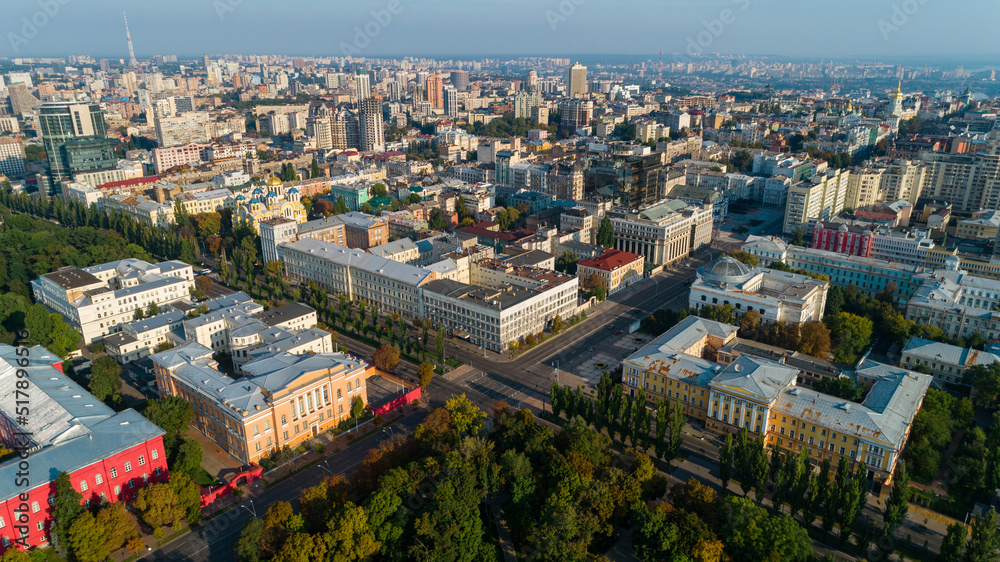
(611, 260)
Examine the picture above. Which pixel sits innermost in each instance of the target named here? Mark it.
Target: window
(2, 523)
(35, 508)
(284, 436)
(142, 460)
(157, 471)
(339, 394)
(348, 386)
(118, 490)
(155, 454)
(128, 466)
(83, 486)
(326, 395)
(131, 483)
(40, 525)
(284, 420)
(256, 431)
(258, 445)
(113, 472)
(267, 425)
(145, 477)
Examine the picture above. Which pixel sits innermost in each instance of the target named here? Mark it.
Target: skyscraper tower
(576, 80)
(128, 37)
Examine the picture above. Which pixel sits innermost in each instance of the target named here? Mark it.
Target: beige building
(983, 224)
(284, 399)
(663, 233)
(618, 269)
(821, 197)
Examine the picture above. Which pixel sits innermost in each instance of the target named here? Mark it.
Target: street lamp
(254, 509)
(328, 469)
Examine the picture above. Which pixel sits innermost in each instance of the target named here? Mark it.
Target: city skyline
(849, 29)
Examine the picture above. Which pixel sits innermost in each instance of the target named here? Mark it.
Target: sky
(819, 29)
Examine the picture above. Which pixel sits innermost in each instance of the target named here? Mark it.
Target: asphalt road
(523, 381)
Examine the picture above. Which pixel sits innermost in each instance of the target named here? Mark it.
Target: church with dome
(776, 295)
(257, 203)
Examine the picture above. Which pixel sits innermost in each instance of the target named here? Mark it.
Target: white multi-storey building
(663, 233)
(97, 300)
(908, 248)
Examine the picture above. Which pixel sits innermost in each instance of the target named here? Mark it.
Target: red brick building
(108, 455)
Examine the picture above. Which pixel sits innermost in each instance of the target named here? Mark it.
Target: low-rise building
(983, 224)
(283, 400)
(619, 269)
(109, 456)
(363, 231)
(96, 300)
(763, 396)
(663, 233)
(777, 295)
(946, 363)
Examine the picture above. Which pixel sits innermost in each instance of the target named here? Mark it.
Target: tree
(898, 502)
(439, 342)
(153, 309)
(248, 544)
(204, 283)
(984, 542)
(173, 415)
(352, 534)
(606, 233)
(745, 257)
(68, 504)
(357, 407)
(386, 357)
(557, 324)
(88, 539)
(954, 543)
(188, 457)
(157, 505)
(749, 323)
(985, 381)
(596, 286)
(117, 524)
(841, 387)
(853, 333)
(566, 263)
(466, 417)
(814, 339)
(726, 462)
(426, 374)
(379, 190)
(724, 313)
(105, 378)
(314, 171)
(798, 238)
(752, 534)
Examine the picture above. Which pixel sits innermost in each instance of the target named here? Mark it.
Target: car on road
(618, 332)
(205, 272)
(591, 348)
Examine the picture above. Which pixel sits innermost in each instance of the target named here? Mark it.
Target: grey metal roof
(71, 428)
(755, 378)
(946, 353)
(392, 248)
(284, 313)
(356, 259)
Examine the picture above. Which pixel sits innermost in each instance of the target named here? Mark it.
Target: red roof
(146, 180)
(611, 260)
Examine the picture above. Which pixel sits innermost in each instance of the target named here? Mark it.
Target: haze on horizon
(467, 28)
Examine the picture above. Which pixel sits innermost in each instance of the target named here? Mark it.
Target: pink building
(851, 240)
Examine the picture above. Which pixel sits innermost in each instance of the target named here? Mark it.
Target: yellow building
(763, 396)
(284, 400)
(255, 204)
(983, 224)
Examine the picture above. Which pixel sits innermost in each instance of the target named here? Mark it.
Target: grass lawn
(203, 478)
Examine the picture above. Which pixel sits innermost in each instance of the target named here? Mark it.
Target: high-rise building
(187, 128)
(532, 80)
(74, 135)
(821, 197)
(370, 125)
(435, 94)
(460, 79)
(362, 87)
(969, 181)
(576, 80)
(21, 100)
(575, 113)
(524, 103)
(450, 95)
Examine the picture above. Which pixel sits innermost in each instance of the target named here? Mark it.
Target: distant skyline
(816, 29)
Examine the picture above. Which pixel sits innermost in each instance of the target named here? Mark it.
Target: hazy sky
(807, 28)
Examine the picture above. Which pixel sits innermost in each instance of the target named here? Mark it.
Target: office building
(575, 114)
(450, 101)
(503, 305)
(96, 300)
(383, 283)
(12, 157)
(842, 238)
(899, 246)
(778, 296)
(109, 456)
(576, 80)
(283, 400)
(460, 79)
(74, 135)
(664, 233)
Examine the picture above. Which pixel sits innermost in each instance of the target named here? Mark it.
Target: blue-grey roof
(357, 259)
(755, 378)
(945, 353)
(71, 429)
